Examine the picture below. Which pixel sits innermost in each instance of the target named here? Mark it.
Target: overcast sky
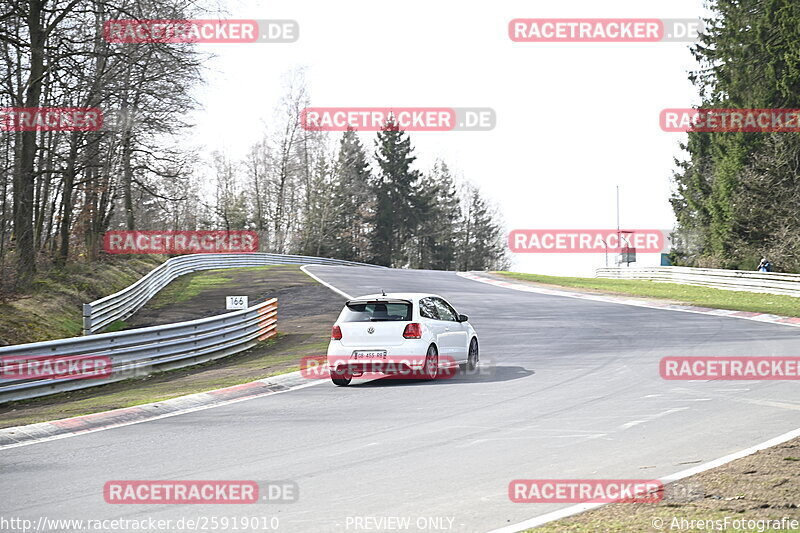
(574, 120)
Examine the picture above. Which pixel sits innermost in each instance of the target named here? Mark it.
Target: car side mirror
(463, 318)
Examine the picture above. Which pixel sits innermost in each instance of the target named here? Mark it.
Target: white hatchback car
(400, 333)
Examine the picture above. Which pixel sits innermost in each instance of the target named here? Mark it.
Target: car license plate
(369, 354)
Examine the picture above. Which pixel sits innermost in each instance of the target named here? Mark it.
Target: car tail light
(336, 333)
(413, 331)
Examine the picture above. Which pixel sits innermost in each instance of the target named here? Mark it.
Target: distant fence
(134, 353)
(120, 305)
(735, 280)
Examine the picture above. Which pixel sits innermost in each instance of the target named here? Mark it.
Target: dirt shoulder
(760, 487)
(202, 294)
(306, 311)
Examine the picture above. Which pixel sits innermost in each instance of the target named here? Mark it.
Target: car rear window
(376, 311)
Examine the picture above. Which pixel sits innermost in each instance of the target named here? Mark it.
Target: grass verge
(187, 287)
(700, 296)
(191, 286)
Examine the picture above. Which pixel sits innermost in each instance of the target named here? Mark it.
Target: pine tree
(483, 244)
(439, 206)
(352, 200)
(320, 213)
(749, 57)
(396, 190)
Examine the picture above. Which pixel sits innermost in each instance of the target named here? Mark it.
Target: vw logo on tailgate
(370, 330)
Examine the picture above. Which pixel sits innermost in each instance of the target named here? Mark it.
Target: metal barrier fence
(136, 352)
(735, 280)
(120, 305)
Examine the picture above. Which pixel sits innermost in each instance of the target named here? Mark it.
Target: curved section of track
(570, 389)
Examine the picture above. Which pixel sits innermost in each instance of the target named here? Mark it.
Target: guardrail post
(87, 319)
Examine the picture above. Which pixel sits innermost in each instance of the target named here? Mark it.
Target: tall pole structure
(619, 240)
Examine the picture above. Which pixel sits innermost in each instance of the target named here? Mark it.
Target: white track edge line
(582, 507)
(331, 287)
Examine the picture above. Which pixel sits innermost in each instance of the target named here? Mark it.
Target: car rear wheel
(472, 357)
(431, 369)
(342, 379)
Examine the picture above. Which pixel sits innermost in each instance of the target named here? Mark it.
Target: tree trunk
(25, 178)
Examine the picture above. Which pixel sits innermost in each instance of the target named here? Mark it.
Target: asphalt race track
(568, 389)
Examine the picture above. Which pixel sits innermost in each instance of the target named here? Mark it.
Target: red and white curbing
(650, 304)
(68, 427)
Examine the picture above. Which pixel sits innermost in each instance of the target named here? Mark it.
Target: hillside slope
(52, 308)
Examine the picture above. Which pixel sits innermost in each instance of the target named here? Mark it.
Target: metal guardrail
(140, 352)
(120, 305)
(735, 280)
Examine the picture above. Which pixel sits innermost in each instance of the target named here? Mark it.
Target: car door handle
(447, 329)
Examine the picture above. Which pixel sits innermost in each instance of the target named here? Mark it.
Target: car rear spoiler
(360, 301)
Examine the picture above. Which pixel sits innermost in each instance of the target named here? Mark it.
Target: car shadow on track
(485, 373)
